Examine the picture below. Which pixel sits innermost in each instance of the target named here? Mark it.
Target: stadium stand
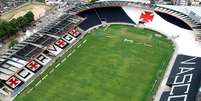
(26, 60)
(81, 7)
(104, 14)
(88, 23)
(184, 79)
(61, 25)
(188, 20)
(39, 39)
(174, 20)
(164, 96)
(113, 14)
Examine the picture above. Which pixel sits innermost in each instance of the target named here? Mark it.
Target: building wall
(53, 2)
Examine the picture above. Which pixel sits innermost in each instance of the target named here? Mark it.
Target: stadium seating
(28, 52)
(88, 23)
(28, 58)
(106, 14)
(113, 14)
(38, 39)
(174, 20)
(184, 79)
(195, 26)
(61, 25)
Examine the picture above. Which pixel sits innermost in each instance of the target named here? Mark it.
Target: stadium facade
(27, 60)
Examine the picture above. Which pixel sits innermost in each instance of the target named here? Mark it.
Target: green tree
(29, 16)
(11, 27)
(22, 22)
(14, 24)
(2, 31)
(93, 1)
(4, 25)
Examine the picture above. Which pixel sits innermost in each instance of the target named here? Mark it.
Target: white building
(53, 2)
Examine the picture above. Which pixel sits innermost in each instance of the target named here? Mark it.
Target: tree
(93, 1)
(29, 16)
(14, 24)
(2, 31)
(11, 27)
(4, 27)
(43, 1)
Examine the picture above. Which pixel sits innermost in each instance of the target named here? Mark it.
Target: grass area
(36, 8)
(106, 68)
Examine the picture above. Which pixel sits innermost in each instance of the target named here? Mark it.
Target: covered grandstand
(24, 62)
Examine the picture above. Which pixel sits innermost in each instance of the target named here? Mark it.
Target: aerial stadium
(107, 51)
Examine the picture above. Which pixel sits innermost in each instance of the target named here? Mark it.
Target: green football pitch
(116, 63)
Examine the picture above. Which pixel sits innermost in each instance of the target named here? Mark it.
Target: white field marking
(45, 77)
(63, 60)
(51, 71)
(79, 45)
(29, 90)
(50, 64)
(38, 83)
(145, 44)
(139, 43)
(108, 36)
(71, 53)
(84, 41)
(106, 28)
(58, 65)
(148, 45)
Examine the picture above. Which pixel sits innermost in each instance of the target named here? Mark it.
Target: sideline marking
(63, 60)
(29, 90)
(51, 71)
(71, 53)
(44, 77)
(58, 65)
(84, 41)
(79, 45)
(38, 83)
